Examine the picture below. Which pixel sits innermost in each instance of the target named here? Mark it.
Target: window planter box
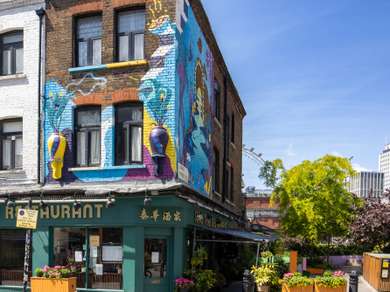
(53, 285)
(326, 289)
(310, 288)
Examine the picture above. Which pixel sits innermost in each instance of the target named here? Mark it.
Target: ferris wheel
(256, 157)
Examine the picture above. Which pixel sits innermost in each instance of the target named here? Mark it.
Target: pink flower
(288, 275)
(45, 269)
(338, 273)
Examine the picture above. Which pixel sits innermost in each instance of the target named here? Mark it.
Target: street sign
(27, 219)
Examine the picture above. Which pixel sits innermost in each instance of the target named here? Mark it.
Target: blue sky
(314, 76)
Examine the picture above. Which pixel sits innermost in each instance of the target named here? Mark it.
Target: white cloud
(358, 167)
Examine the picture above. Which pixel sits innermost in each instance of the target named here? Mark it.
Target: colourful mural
(157, 91)
(194, 98)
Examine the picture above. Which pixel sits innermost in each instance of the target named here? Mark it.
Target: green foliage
(330, 280)
(205, 280)
(310, 250)
(265, 275)
(270, 172)
(199, 258)
(296, 280)
(314, 203)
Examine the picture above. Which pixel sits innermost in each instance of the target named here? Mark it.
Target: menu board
(385, 268)
(112, 253)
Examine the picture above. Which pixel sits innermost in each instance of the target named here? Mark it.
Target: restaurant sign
(85, 211)
(160, 216)
(204, 218)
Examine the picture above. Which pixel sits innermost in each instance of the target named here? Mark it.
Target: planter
(53, 285)
(56, 145)
(262, 288)
(183, 290)
(285, 288)
(326, 289)
(315, 271)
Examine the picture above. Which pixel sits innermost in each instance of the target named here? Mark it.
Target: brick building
(141, 144)
(259, 209)
(19, 61)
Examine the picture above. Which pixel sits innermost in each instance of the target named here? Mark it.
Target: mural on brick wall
(195, 89)
(157, 91)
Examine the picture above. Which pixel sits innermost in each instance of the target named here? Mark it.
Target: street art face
(156, 90)
(195, 83)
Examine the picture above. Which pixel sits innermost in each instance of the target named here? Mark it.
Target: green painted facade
(137, 223)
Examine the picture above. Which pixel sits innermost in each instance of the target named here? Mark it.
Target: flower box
(53, 285)
(326, 289)
(262, 288)
(309, 288)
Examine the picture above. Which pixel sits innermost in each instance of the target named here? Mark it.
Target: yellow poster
(27, 219)
(385, 264)
(94, 240)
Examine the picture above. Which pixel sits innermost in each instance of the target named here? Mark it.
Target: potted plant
(205, 279)
(331, 282)
(54, 279)
(296, 282)
(183, 284)
(264, 276)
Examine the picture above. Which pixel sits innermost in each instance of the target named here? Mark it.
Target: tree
(314, 203)
(371, 227)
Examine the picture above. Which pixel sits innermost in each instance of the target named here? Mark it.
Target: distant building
(384, 166)
(366, 184)
(259, 209)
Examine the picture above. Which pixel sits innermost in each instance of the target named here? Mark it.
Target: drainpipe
(225, 142)
(40, 13)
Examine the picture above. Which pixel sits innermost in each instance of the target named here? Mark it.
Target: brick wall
(108, 87)
(19, 94)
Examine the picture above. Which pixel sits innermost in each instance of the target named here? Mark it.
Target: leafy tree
(314, 203)
(271, 171)
(371, 227)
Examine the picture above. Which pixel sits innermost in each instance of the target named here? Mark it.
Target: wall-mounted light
(147, 201)
(77, 205)
(110, 202)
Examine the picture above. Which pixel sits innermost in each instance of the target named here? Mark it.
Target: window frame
(119, 129)
(217, 100)
(13, 47)
(87, 129)
(232, 128)
(4, 136)
(131, 34)
(231, 182)
(217, 172)
(89, 41)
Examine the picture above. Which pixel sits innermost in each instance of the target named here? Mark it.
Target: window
(231, 188)
(11, 48)
(217, 104)
(216, 171)
(88, 136)
(104, 268)
(11, 257)
(155, 258)
(131, 30)
(11, 144)
(233, 129)
(129, 132)
(89, 41)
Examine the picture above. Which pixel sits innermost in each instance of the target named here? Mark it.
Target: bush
(296, 280)
(331, 280)
(265, 275)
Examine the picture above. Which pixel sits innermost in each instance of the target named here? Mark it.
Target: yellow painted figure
(57, 146)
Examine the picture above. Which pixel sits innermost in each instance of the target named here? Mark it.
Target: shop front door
(157, 264)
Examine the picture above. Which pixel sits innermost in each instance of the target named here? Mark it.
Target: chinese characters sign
(160, 216)
(213, 221)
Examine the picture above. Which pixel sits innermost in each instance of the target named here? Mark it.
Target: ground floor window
(11, 257)
(97, 252)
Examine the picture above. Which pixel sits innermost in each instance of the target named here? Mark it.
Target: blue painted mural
(194, 82)
(156, 89)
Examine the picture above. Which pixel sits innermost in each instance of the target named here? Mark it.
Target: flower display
(57, 272)
(184, 283)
